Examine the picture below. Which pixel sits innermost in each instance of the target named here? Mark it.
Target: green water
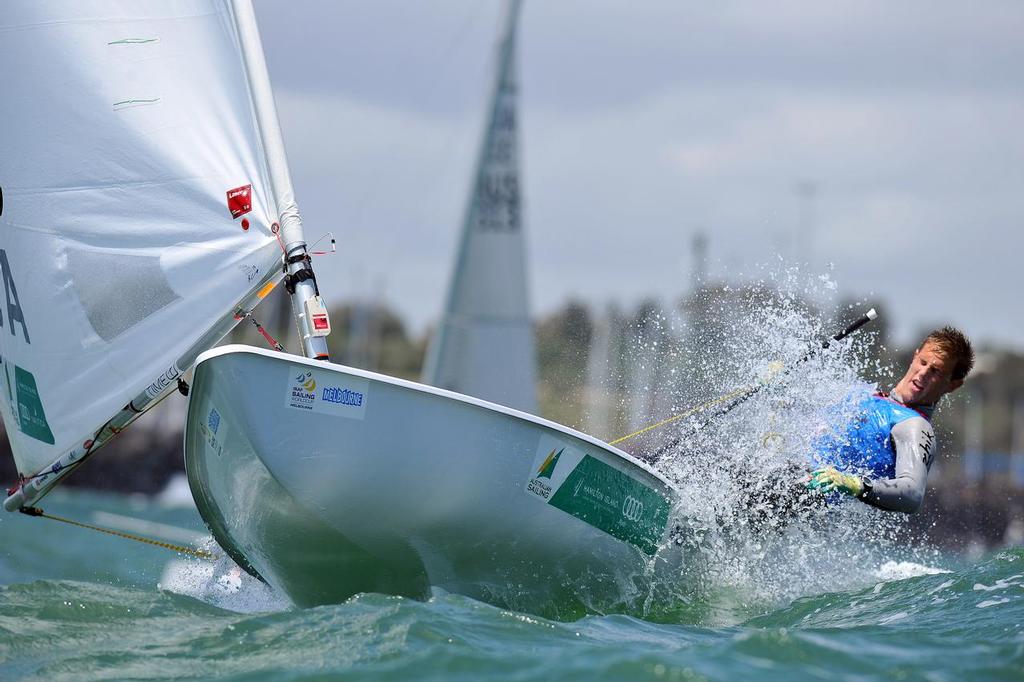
(78, 605)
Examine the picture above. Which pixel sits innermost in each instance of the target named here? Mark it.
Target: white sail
(484, 344)
(137, 210)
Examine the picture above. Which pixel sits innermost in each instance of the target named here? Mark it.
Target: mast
(307, 306)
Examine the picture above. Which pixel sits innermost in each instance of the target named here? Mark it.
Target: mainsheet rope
(198, 553)
(693, 410)
(773, 369)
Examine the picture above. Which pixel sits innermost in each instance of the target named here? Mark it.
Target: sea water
(78, 605)
(835, 592)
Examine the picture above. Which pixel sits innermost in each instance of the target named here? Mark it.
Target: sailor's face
(929, 377)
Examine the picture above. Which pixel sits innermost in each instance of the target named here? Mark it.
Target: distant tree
(563, 346)
(372, 336)
(563, 343)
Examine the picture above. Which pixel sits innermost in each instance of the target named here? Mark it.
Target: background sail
(484, 345)
(131, 162)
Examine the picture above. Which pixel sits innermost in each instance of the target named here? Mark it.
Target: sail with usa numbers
(484, 343)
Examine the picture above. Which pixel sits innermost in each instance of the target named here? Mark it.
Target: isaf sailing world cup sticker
(330, 393)
(303, 391)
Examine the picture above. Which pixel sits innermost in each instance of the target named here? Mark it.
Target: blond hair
(955, 345)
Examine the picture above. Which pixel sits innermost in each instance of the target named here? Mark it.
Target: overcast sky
(644, 122)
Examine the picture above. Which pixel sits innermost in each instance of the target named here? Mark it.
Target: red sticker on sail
(240, 200)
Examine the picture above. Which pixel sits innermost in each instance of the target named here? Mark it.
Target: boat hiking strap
(693, 410)
(198, 553)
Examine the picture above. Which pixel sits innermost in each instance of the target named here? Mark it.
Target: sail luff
(484, 343)
(268, 125)
(296, 259)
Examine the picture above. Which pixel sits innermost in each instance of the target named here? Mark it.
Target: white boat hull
(327, 481)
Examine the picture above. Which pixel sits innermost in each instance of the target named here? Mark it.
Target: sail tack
(137, 210)
(484, 345)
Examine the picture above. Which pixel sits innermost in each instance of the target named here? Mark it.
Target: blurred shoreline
(975, 499)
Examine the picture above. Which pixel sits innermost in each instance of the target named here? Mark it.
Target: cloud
(642, 124)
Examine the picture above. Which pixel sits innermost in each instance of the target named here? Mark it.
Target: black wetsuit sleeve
(914, 442)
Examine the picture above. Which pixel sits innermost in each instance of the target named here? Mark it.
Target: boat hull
(327, 481)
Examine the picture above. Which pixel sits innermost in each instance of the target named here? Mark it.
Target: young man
(882, 455)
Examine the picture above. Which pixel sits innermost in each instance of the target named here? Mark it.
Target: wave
(965, 623)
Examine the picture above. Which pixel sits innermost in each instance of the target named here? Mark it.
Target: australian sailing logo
(547, 468)
(599, 490)
(303, 390)
(240, 200)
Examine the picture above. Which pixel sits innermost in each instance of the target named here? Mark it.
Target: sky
(878, 143)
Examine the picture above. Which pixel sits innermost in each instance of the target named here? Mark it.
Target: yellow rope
(773, 369)
(693, 410)
(199, 553)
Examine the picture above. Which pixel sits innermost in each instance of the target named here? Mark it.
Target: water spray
(730, 401)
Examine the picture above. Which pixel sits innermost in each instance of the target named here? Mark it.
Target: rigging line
(773, 369)
(247, 315)
(742, 394)
(681, 415)
(275, 228)
(198, 553)
(334, 246)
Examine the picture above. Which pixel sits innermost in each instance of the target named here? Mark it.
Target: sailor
(881, 456)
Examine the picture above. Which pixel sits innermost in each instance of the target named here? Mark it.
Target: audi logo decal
(632, 508)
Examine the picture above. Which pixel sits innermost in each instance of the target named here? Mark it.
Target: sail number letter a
(14, 311)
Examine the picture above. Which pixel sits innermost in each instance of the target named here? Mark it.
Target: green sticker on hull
(613, 501)
(31, 417)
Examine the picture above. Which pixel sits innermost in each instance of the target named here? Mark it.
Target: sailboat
(484, 343)
(148, 208)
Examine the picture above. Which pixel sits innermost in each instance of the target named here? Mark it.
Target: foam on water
(902, 570)
(221, 583)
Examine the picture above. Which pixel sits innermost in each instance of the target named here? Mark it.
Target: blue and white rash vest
(891, 444)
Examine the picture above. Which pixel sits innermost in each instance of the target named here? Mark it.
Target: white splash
(742, 534)
(901, 570)
(221, 583)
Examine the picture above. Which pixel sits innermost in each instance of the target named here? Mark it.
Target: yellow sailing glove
(829, 480)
